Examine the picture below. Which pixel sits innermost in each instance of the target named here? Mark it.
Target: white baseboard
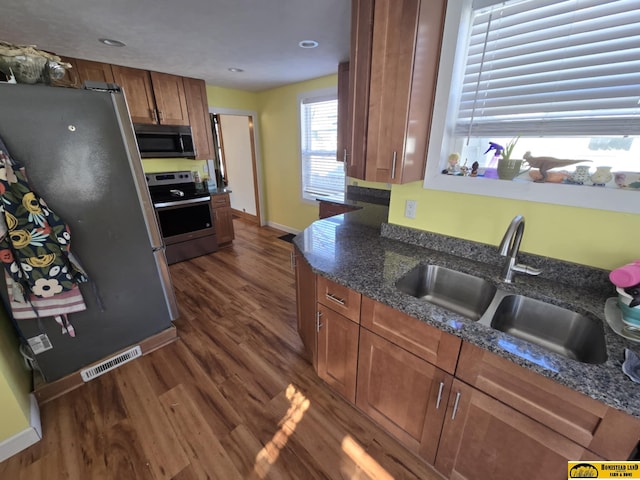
(25, 438)
(284, 228)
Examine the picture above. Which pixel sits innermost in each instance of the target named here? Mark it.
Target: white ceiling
(192, 38)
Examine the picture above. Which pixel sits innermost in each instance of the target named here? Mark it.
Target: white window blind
(552, 68)
(322, 175)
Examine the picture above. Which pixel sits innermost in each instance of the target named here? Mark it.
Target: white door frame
(256, 147)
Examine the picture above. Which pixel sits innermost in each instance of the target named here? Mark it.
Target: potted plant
(509, 168)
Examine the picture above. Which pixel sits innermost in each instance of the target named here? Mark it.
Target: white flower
(46, 287)
(14, 267)
(54, 271)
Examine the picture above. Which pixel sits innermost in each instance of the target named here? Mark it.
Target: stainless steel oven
(184, 215)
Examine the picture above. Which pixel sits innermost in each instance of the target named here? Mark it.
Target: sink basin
(554, 328)
(456, 291)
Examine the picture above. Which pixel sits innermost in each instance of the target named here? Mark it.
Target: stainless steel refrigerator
(80, 155)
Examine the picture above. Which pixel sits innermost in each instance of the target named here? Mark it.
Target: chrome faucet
(509, 247)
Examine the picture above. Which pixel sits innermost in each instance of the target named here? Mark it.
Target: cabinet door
(344, 136)
(404, 63)
(94, 71)
(196, 94)
(338, 351)
(171, 102)
(483, 438)
(359, 75)
(306, 306)
(138, 91)
(223, 218)
(402, 392)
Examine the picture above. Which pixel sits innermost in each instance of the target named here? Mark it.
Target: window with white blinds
(322, 175)
(552, 68)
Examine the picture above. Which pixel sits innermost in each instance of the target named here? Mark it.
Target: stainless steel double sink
(554, 328)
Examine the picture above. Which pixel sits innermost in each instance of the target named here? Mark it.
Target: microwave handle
(181, 143)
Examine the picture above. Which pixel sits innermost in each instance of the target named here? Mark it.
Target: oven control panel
(169, 178)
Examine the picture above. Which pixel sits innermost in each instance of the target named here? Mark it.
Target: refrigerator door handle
(135, 163)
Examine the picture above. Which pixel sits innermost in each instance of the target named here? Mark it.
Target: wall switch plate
(410, 208)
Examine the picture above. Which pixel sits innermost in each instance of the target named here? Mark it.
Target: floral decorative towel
(35, 245)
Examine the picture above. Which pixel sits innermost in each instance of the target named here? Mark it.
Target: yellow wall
(231, 98)
(278, 112)
(590, 237)
(15, 383)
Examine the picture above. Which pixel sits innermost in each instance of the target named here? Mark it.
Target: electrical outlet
(410, 208)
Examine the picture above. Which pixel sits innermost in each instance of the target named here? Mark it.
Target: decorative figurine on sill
(547, 163)
(452, 168)
(474, 169)
(464, 170)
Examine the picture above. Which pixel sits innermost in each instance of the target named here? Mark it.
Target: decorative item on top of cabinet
(329, 209)
(406, 43)
(223, 218)
(153, 98)
(198, 107)
(306, 305)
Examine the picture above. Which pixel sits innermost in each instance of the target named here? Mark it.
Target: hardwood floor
(231, 399)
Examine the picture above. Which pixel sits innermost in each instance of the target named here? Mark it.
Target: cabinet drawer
(339, 298)
(220, 200)
(566, 411)
(427, 342)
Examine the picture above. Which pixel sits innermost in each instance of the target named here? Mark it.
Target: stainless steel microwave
(164, 141)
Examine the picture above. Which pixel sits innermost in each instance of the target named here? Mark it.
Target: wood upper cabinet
(484, 438)
(198, 106)
(153, 98)
(404, 65)
(359, 75)
(171, 102)
(223, 218)
(306, 305)
(344, 128)
(337, 351)
(138, 90)
(94, 71)
(402, 392)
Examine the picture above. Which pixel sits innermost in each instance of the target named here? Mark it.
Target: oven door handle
(182, 202)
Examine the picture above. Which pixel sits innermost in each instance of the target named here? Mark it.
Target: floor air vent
(110, 364)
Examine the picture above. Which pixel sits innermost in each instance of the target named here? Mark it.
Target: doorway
(236, 138)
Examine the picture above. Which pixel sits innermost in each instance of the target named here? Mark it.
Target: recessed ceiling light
(235, 70)
(308, 44)
(112, 43)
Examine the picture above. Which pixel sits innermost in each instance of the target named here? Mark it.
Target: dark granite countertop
(350, 250)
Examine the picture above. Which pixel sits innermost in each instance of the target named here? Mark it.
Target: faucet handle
(526, 269)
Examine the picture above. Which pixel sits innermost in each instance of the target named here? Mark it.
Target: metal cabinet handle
(293, 261)
(393, 165)
(319, 324)
(455, 406)
(160, 115)
(338, 300)
(344, 155)
(439, 395)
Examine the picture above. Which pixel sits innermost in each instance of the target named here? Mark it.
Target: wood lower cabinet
(339, 298)
(484, 438)
(153, 98)
(196, 94)
(306, 306)
(337, 351)
(403, 393)
(223, 218)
